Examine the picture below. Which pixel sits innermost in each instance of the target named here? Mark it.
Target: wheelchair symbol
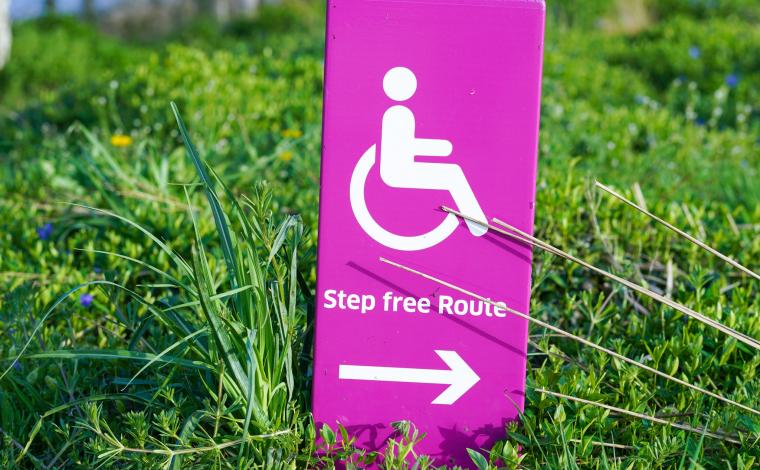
(398, 169)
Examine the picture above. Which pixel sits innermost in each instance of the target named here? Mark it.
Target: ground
(157, 302)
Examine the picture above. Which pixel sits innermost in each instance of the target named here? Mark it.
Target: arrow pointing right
(459, 376)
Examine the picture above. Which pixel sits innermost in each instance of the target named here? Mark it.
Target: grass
(196, 242)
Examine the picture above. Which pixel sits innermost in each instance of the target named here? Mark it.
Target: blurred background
(631, 86)
(138, 17)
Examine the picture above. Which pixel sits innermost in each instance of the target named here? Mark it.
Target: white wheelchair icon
(398, 169)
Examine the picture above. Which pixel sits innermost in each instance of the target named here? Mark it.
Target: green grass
(197, 244)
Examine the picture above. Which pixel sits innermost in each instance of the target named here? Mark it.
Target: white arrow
(459, 376)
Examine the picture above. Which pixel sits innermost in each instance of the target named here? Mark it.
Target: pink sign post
(427, 103)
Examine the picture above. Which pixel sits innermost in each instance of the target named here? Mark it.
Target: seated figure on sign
(399, 147)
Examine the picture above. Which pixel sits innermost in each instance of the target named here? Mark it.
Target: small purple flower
(97, 269)
(732, 80)
(85, 300)
(45, 231)
(700, 121)
(695, 52)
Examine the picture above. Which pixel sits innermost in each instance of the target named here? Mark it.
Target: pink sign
(427, 103)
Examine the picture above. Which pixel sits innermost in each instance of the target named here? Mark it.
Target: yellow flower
(286, 156)
(121, 140)
(292, 133)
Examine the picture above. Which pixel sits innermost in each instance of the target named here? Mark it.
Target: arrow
(459, 376)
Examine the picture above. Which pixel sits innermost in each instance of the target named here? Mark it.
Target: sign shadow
(484, 334)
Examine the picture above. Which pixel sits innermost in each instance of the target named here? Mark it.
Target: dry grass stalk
(642, 290)
(523, 237)
(634, 414)
(680, 232)
(566, 334)
(605, 444)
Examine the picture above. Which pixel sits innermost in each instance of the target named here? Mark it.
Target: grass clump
(235, 334)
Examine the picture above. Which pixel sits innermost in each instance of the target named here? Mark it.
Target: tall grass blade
(216, 324)
(144, 264)
(251, 399)
(181, 263)
(216, 208)
(60, 300)
(282, 233)
(293, 296)
(118, 354)
(160, 356)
